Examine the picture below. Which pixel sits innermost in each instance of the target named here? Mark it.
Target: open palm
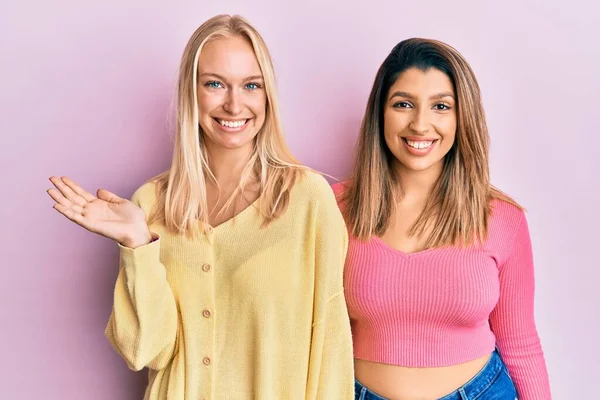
(105, 214)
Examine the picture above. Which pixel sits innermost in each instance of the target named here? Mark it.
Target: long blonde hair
(458, 210)
(181, 191)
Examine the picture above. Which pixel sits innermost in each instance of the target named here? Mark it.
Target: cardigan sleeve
(143, 323)
(331, 370)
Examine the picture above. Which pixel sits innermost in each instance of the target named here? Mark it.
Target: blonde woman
(230, 281)
(439, 275)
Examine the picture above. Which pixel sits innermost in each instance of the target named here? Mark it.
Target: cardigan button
(206, 361)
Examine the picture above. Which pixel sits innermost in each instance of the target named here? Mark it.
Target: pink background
(85, 90)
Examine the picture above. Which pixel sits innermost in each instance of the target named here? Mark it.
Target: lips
(232, 123)
(419, 144)
(419, 147)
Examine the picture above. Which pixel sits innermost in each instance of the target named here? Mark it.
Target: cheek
(393, 124)
(258, 106)
(207, 103)
(447, 129)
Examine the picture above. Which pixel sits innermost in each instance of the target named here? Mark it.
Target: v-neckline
(404, 254)
(246, 210)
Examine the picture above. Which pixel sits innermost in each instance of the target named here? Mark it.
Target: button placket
(207, 311)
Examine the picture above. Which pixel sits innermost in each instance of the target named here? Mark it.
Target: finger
(59, 198)
(67, 192)
(70, 214)
(78, 189)
(64, 202)
(108, 196)
(75, 197)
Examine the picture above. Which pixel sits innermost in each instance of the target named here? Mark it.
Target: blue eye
(252, 86)
(213, 84)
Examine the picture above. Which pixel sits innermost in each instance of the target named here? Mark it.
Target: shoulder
(506, 215)
(340, 187)
(313, 188)
(507, 221)
(315, 195)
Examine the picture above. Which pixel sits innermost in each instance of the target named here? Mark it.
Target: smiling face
(231, 96)
(420, 119)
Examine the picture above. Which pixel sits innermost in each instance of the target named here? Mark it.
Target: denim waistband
(472, 389)
(480, 382)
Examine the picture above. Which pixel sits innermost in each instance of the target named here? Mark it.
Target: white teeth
(232, 124)
(419, 145)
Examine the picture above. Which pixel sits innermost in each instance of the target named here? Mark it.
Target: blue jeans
(491, 383)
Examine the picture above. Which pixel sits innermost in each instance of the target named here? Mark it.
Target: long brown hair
(458, 210)
(181, 191)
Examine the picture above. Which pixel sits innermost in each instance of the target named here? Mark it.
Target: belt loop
(462, 393)
(363, 393)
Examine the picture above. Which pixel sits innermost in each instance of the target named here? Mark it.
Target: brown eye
(441, 107)
(402, 104)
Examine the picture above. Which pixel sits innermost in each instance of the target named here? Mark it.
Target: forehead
(422, 83)
(232, 58)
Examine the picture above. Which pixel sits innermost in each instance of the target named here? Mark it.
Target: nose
(420, 123)
(233, 102)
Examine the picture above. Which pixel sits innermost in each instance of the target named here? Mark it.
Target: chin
(231, 145)
(418, 165)
(234, 144)
(230, 141)
(418, 168)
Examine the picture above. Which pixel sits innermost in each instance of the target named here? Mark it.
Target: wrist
(138, 240)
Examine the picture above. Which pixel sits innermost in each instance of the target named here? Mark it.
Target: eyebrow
(434, 97)
(249, 78)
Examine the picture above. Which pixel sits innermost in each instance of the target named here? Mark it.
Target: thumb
(108, 196)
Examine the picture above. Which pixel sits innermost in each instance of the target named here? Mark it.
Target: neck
(227, 165)
(416, 186)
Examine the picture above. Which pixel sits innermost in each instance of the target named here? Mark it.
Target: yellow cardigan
(243, 312)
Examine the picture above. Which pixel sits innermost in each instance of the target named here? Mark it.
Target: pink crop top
(445, 306)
